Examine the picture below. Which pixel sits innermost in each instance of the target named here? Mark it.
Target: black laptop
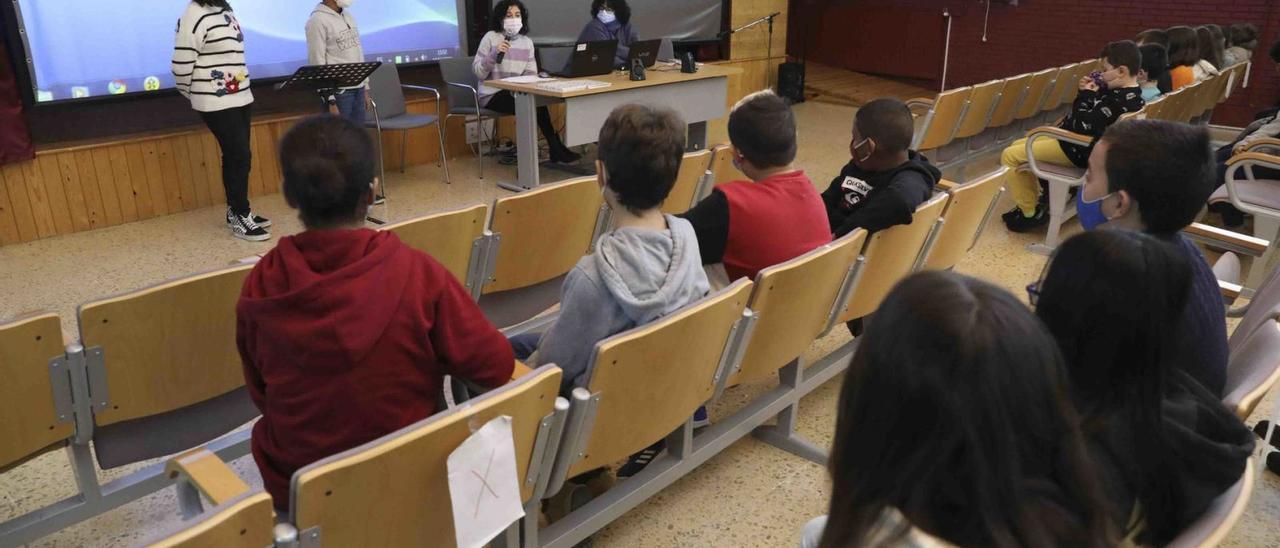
(646, 51)
(590, 59)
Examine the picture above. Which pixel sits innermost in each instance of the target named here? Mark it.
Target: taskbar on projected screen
(165, 82)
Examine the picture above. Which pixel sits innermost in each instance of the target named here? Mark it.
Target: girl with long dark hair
(955, 423)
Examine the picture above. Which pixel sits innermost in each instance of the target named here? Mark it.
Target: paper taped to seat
(483, 488)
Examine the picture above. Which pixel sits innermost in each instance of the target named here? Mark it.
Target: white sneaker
(246, 228)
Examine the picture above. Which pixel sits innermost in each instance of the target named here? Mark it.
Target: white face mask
(606, 16)
(512, 25)
(344, 4)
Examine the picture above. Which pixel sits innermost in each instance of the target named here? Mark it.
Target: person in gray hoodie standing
(648, 267)
(333, 39)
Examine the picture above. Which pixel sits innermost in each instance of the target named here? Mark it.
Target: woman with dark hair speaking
(210, 70)
(611, 20)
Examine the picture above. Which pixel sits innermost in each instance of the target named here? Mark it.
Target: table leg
(526, 144)
(697, 136)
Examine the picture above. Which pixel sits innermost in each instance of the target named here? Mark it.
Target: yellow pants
(1022, 185)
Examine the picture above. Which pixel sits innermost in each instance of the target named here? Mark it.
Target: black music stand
(326, 80)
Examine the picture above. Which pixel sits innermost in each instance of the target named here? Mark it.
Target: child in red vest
(777, 215)
(346, 333)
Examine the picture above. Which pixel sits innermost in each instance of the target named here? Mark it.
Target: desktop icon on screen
(399, 59)
(117, 87)
(79, 92)
(43, 96)
(151, 83)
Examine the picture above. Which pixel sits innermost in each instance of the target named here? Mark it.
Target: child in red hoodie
(346, 333)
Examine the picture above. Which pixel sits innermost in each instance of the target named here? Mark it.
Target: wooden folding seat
(722, 169)
(644, 385)
(1011, 97)
(35, 395)
(1037, 90)
(1061, 92)
(394, 491)
(977, 117)
(969, 208)
(892, 254)
(939, 118)
(458, 240)
(689, 183)
(239, 517)
(540, 235)
(158, 373)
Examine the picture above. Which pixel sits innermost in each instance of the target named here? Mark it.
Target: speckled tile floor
(750, 495)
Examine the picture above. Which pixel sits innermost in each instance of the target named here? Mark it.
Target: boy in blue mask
(1154, 176)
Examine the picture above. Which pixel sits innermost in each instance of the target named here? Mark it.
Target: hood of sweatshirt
(327, 296)
(651, 273)
(856, 183)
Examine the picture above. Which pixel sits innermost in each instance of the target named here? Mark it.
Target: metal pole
(946, 53)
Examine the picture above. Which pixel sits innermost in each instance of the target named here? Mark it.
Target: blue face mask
(606, 16)
(1090, 213)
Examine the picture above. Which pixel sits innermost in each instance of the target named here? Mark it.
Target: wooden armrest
(212, 477)
(1256, 157)
(1225, 239)
(1230, 290)
(520, 370)
(1269, 142)
(1060, 135)
(946, 186)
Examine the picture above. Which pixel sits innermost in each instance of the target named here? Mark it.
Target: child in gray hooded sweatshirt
(647, 267)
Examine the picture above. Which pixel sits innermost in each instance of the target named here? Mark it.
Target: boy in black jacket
(884, 182)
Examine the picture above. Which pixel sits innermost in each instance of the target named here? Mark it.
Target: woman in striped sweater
(209, 69)
(507, 38)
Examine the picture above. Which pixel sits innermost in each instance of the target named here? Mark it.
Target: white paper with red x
(483, 486)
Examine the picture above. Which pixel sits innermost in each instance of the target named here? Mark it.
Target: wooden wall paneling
(107, 187)
(39, 197)
(199, 169)
(8, 226)
(137, 168)
(155, 177)
(276, 131)
(182, 163)
(70, 173)
(124, 183)
(169, 176)
(89, 189)
(47, 167)
(754, 42)
(213, 165)
(11, 177)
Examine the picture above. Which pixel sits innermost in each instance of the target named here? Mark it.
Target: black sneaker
(1016, 221)
(260, 221)
(565, 156)
(640, 460)
(246, 228)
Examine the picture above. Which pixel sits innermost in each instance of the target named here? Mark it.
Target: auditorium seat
(1037, 90)
(644, 386)
(1063, 91)
(394, 490)
(540, 235)
(1211, 528)
(389, 113)
(1060, 178)
(1011, 97)
(1228, 267)
(977, 117)
(158, 373)
(939, 118)
(239, 516)
(456, 239)
(722, 168)
(892, 254)
(1258, 197)
(689, 183)
(32, 423)
(1254, 367)
(969, 207)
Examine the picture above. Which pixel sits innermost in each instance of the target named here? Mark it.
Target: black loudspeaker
(791, 82)
(637, 70)
(688, 64)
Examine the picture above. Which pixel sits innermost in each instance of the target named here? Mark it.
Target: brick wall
(1041, 33)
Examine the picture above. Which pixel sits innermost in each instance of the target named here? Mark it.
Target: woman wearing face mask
(507, 51)
(334, 39)
(611, 20)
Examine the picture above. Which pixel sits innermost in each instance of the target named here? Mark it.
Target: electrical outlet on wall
(474, 129)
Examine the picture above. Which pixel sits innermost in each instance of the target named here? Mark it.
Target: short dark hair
(641, 148)
(1154, 36)
(1184, 47)
(620, 8)
(1165, 166)
(500, 13)
(1123, 53)
(763, 129)
(888, 122)
(1243, 33)
(1155, 60)
(328, 164)
(1210, 49)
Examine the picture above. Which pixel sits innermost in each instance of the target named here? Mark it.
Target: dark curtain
(15, 139)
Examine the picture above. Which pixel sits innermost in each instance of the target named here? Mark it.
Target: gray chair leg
(444, 160)
(404, 137)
